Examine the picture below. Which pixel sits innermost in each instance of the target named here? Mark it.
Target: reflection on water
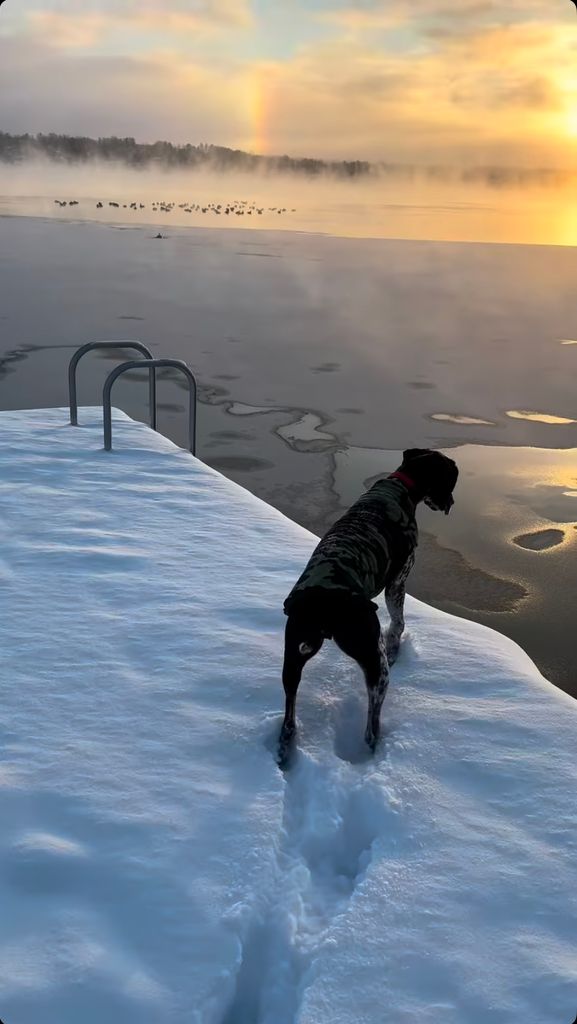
(537, 417)
(457, 418)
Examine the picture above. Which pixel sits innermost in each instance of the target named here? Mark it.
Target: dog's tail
(312, 620)
(313, 637)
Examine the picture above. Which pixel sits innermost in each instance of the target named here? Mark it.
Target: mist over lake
(411, 204)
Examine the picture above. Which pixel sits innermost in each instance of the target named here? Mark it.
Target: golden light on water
(537, 417)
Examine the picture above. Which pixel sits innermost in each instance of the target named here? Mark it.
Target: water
(320, 358)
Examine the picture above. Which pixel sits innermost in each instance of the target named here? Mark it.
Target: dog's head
(434, 474)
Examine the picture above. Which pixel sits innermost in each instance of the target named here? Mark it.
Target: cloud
(356, 20)
(160, 95)
(71, 28)
(425, 20)
(74, 32)
(189, 15)
(419, 12)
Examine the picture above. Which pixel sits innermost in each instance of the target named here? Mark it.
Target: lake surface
(320, 358)
(410, 206)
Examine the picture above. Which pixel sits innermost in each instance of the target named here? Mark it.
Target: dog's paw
(371, 740)
(392, 652)
(285, 748)
(285, 757)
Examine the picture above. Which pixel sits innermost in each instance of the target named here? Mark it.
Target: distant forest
(77, 149)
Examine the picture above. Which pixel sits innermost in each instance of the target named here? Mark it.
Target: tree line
(81, 149)
(77, 149)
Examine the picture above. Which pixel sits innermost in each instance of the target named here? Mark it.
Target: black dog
(370, 548)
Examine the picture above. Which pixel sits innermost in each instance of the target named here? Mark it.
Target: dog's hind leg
(301, 644)
(359, 636)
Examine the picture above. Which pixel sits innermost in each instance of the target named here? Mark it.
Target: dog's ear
(442, 483)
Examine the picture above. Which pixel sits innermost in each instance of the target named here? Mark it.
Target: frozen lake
(320, 358)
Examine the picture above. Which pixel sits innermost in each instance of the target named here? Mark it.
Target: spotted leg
(395, 599)
(359, 636)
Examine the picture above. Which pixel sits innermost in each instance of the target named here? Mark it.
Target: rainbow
(259, 103)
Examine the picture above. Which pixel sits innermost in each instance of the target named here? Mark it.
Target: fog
(375, 206)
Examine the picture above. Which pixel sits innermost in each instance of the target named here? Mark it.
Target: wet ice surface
(158, 867)
(341, 346)
(540, 540)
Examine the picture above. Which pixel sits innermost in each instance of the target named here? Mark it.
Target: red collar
(406, 480)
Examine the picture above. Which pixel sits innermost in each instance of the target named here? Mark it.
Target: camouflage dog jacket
(364, 550)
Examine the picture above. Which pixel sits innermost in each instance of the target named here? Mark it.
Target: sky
(425, 81)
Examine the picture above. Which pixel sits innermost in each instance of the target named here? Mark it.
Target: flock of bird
(238, 208)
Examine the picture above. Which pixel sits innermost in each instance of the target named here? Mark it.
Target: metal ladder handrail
(153, 364)
(72, 399)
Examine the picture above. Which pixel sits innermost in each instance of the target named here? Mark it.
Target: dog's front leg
(395, 599)
(377, 679)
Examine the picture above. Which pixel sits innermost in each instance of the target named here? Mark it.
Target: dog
(369, 549)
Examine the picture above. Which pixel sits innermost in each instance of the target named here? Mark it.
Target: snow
(155, 864)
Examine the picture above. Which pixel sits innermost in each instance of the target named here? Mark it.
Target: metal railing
(72, 399)
(153, 364)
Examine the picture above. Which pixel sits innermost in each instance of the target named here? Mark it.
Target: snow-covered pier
(156, 867)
